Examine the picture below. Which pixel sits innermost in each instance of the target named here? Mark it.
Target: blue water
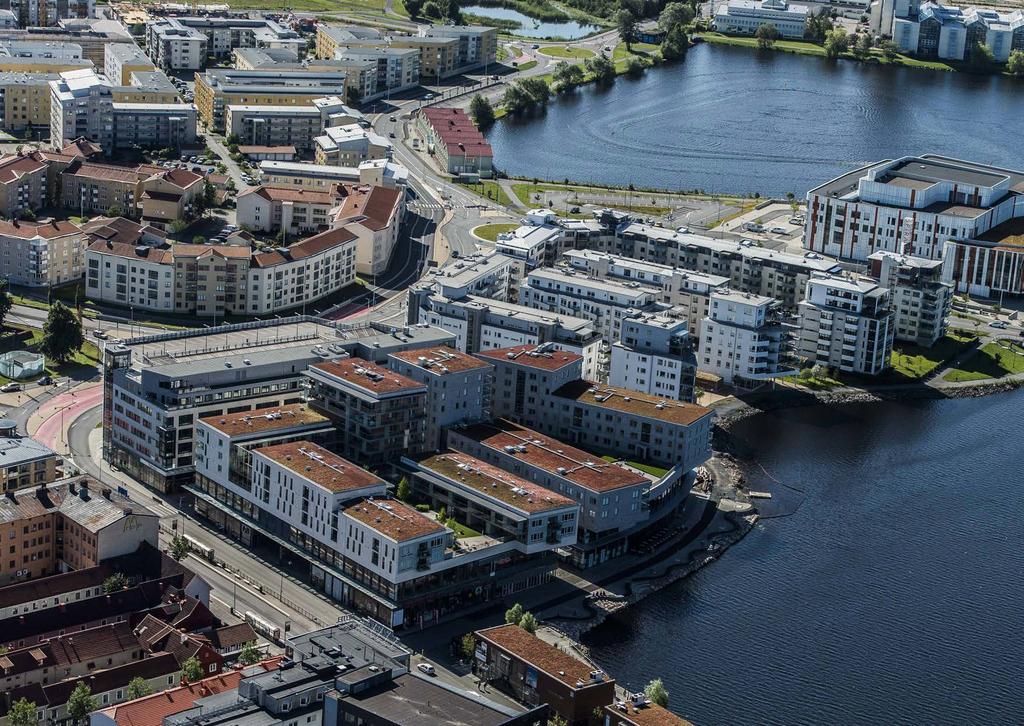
(532, 28)
(732, 120)
(891, 596)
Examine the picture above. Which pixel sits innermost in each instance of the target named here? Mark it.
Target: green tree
(82, 702)
(115, 210)
(766, 35)
(192, 669)
(62, 334)
(138, 687)
(655, 690)
(115, 582)
(6, 301)
(818, 25)
(467, 646)
(836, 43)
(179, 548)
(625, 23)
(403, 492)
(635, 66)
(863, 46)
(514, 614)
(673, 16)
(482, 112)
(178, 226)
(249, 654)
(198, 239)
(452, 11)
(22, 713)
(537, 89)
(431, 10)
(980, 57)
(602, 69)
(233, 140)
(567, 76)
(528, 623)
(557, 720)
(1015, 64)
(675, 44)
(525, 94)
(888, 49)
(413, 7)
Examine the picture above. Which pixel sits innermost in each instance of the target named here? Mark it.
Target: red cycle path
(74, 404)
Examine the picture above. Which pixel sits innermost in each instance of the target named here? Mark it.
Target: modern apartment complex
(920, 299)
(122, 59)
(286, 125)
(300, 175)
(478, 45)
(744, 340)
(81, 106)
(175, 47)
(933, 30)
(26, 100)
(846, 324)
(655, 355)
(350, 145)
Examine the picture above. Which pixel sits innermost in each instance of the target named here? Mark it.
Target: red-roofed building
(374, 215)
(525, 377)
(458, 145)
(297, 211)
(41, 254)
(22, 184)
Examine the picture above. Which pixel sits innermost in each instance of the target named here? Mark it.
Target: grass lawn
(646, 468)
(490, 232)
(820, 382)
(18, 337)
(994, 360)
(526, 66)
(912, 361)
(647, 52)
(570, 53)
(490, 189)
(461, 530)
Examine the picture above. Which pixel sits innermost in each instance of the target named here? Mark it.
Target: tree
(403, 492)
(233, 140)
(888, 49)
(1015, 64)
(525, 94)
(82, 702)
(818, 25)
(179, 548)
(863, 46)
(567, 76)
(452, 11)
(178, 226)
(528, 623)
(625, 23)
(537, 89)
(514, 614)
(62, 334)
(413, 7)
(673, 16)
(249, 654)
(467, 646)
(836, 43)
(431, 10)
(5, 301)
(655, 690)
(115, 582)
(635, 66)
(115, 210)
(198, 239)
(980, 57)
(482, 112)
(557, 720)
(675, 44)
(766, 35)
(22, 713)
(602, 69)
(138, 687)
(192, 669)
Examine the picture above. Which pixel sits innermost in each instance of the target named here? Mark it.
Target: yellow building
(42, 65)
(438, 56)
(330, 38)
(26, 100)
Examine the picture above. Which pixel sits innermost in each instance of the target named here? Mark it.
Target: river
(734, 120)
(531, 27)
(891, 596)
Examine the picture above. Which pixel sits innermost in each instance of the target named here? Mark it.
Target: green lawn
(994, 360)
(461, 530)
(490, 189)
(490, 232)
(527, 65)
(18, 337)
(562, 51)
(820, 382)
(646, 468)
(645, 51)
(912, 361)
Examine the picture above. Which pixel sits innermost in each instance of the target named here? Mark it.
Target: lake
(734, 120)
(890, 595)
(531, 27)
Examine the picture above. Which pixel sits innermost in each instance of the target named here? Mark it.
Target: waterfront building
(654, 354)
(300, 175)
(122, 59)
(617, 503)
(744, 17)
(525, 379)
(920, 298)
(638, 710)
(456, 142)
(350, 146)
(744, 341)
(24, 463)
(533, 245)
(847, 324)
(477, 45)
(22, 184)
(38, 254)
(81, 107)
(536, 671)
(487, 274)
(988, 266)
(438, 56)
(912, 206)
(175, 47)
(397, 69)
(749, 268)
(458, 388)
(481, 324)
(933, 30)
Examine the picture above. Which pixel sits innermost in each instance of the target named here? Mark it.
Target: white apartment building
(81, 106)
(41, 255)
(743, 340)
(458, 388)
(913, 206)
(744, 17)
(933, 30)
(374, 215)
(603, 302)
(294, 126)
(847, 324)
(176, 47)
(398, 69)
(534, 245)
(488, 274)
(687, 291)
(295, 211)
(319, 177)
(120, 60)
(350, 145)
(655, 355)
(920, 298)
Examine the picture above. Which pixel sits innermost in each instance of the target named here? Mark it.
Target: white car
(997, 324)
(778, 230)
(10, 387)
(427, 668)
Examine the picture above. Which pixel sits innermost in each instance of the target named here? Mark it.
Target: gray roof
(22, 450)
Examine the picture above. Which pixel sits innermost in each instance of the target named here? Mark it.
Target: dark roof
(232, 636)
(47, 587)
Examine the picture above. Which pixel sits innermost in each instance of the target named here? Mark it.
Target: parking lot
(776, 226)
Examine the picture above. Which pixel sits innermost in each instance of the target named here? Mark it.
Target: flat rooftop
(368, 376)
(265, 420)
(553, 456)
(393, 519)
(322, 467)
(633, 402)
(932, 171)
(441, 360)
(522, 312)
(495, 483)
(1008, 234)
(542, 357)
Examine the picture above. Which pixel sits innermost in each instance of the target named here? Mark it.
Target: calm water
(733, 120)
(532, 28)
(891, 596)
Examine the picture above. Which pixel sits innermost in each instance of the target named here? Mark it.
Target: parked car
(753, 227)
(10, 387)
(575, 210)
(1001, 325)
(796, 220)
(683, 230)
(394, 118)
(534, 46)
(45, 381)
(391, 134)
(427, 668)
(778, 230)
(99, 334)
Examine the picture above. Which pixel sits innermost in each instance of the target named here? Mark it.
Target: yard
(915, 362)
(490, 232)
(655, 471)
(995, 360)
(82, 365)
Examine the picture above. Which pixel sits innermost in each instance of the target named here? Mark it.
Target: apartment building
(933, 30)
(920, 299)
(380, 414)
(457, 144)
(120, 60)
(217, 89)
(379, 172)
(911, 206)
(25, 101)
(249, 59)
(36, 56)
(68, 525)
(91, 35)
(41, 254)
(374, 215)
(478, 45)
(744, 17)
(481, 324)
(45, 13)
(749, 268)
(25, 463)
(458, 388)
(88, 187)
(655, 355)
(990, 265)
(744, 340)
(533, 245)
(616, 503)
(525, 378)
(438, 56)
(154, 125)
(332, 38)
(603, 302)
(847, 324)
(287, 125)
(293, 211)
(147, 87)
(638, 710)
(22, 184)
(487, 274)
(350, 145)
(175, 47)
(81, 107)
(396, 69)
(688, 292)
(225, 34)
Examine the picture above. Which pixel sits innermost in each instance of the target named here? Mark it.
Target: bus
(199, 548)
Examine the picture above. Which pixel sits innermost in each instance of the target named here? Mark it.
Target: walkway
(50, 423)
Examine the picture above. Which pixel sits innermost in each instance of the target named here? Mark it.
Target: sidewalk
(50, 423)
